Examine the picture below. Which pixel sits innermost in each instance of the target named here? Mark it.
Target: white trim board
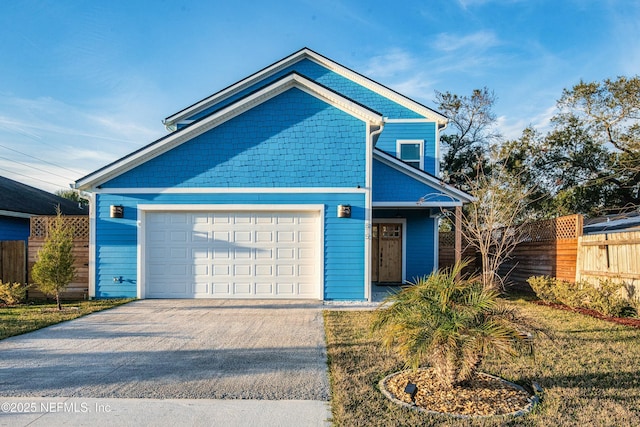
(231, 190)
(16, 214)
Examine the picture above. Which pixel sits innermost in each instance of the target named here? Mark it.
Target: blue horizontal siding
(12, 228)
(392, 132)
(391, 185)
(330, 79)
(344, 263)
(292, 140)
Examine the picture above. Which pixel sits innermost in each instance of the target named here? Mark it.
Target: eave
(300, 55)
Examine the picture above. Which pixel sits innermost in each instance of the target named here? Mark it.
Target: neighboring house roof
(445, 189)
(218, 117)
(22, 201)
(613, 224)
(300, 55)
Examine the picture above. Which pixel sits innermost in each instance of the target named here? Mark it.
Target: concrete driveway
(175, 349)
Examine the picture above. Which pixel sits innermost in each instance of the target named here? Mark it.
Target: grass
(589, 370)
(19, 319)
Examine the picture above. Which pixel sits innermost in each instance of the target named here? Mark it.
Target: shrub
(543, 287)
(607, 298)
(572, 294)
(12, 293)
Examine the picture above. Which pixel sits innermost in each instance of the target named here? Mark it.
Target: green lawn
(16, 320)
(589, 370)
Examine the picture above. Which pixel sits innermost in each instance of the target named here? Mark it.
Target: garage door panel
(242, 288)
(264, 289)
(232, 255)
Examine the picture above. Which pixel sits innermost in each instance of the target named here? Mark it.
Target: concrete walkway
(106, 412)
(171, 362)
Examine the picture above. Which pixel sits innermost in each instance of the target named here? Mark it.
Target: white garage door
(232, 255)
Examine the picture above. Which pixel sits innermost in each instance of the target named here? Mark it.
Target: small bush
(573, 294)
(607, 298)
(543, 287)
(12, 293)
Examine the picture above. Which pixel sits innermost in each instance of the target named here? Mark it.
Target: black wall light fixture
(344, 211)
(117, 211)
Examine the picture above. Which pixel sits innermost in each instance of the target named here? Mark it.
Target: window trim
(401, 142)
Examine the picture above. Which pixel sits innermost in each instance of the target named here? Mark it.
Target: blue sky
(83, 83)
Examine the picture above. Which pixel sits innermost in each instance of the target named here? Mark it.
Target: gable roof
(216, 118)
(300, 55)
(445, 189)
(22, 201)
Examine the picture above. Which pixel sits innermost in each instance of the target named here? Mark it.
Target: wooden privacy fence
(612, 256)
(79, 288)
(13, 261)
(546, 248)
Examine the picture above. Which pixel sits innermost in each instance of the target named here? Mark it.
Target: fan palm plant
(450, 324)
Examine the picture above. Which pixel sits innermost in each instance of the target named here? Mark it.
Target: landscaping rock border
(533, 400)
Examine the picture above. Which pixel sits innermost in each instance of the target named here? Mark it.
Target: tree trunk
(487, 273)
(58, 301)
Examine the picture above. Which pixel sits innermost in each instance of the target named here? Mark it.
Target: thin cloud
(512, 128)
(67, 136)
(482, 40)
(392, 63)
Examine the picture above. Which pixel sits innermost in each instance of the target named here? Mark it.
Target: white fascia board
(16, 214)
(296, 57)
(416, 205)
(231, 190)
(388, 120)
(190, 207)
(423, 177)
(207, 123)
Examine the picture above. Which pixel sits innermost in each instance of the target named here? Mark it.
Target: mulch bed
(627, 321)
(483, 396)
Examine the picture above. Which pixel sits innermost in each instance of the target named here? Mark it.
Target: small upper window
(411, 152)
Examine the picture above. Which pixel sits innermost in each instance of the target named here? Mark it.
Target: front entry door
(386, 253)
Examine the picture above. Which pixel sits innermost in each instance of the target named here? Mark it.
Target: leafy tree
(589, 162)
(450, 324)
(54, 269)
(471, 132)
(72, 195)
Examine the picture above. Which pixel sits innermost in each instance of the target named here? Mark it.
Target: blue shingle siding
(419, 235)
(330, 79)
(292, 140)
(12, 228)
(344, 238)
(392, 132)
(391, 185)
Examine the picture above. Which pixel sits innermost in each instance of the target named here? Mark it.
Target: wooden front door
(386, 253)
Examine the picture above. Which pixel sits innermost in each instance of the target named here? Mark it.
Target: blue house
(19, 202)
(303, 180)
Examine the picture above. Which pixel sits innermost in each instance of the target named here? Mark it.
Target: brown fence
(613, 256)
(548, 247)
(79, 288)
(13, 261)
(446, 250)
